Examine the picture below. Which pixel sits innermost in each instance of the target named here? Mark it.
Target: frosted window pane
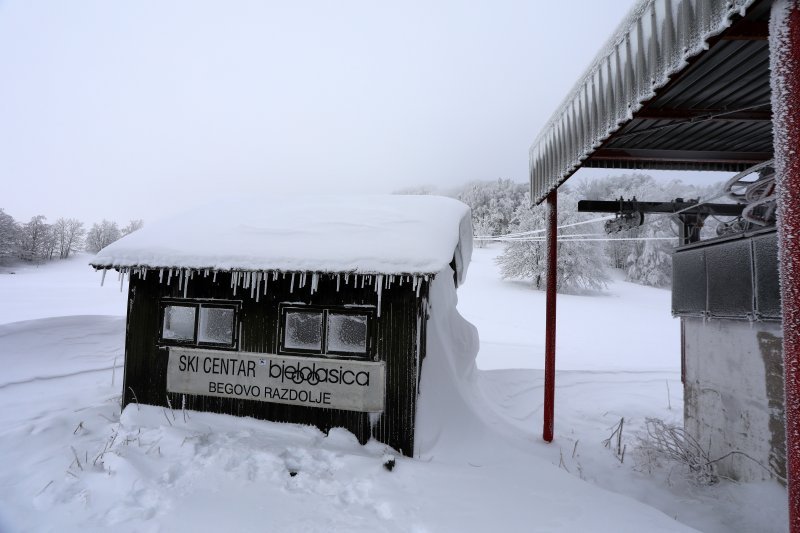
(347, 333)
(178, 323)
(216, 325)
(303, 331)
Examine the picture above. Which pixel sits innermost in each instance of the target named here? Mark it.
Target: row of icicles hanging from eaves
(257, 282)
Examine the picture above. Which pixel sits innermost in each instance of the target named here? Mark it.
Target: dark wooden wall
(395, 331)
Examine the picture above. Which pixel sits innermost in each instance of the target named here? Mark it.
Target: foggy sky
(135, 109)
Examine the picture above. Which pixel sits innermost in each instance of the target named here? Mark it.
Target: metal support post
(785, 81)
(550, 321)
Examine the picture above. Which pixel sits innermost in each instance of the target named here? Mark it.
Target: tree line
(38, 241)
(503, 207)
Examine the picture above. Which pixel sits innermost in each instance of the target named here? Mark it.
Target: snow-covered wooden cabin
(308, 310)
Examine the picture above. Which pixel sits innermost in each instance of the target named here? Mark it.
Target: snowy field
(70, 461)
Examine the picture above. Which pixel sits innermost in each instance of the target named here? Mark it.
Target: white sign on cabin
(312, 382)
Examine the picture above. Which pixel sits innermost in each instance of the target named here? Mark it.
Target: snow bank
(445, 408)
(380, 234)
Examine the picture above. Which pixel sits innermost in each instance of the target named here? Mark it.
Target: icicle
(160, 276)
(275, 276)
(414, 284)
(251, 277)
(338, 276)
(169, 276)
(235, 281)
(214, 279)
(418, 286)
(180, 279)
(266, 280)
(302, 279)
(121, 279)
(346, 277)
(144, 273)
(363, 280)
(314, 282)
(379, 287)
(258, 284)
(291, 284)
(103, 277)
(185, 284)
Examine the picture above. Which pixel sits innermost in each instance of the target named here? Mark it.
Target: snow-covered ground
(70, 461)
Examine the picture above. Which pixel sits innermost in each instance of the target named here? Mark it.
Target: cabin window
(330, 332)
(179, 323)
(303, 331)
(347, 333)
(199, 323)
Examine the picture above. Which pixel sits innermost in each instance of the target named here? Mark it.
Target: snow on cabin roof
(651, 44)
(387, 234)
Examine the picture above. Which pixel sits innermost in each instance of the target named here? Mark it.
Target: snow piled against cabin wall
(653, 42)
(367, 234)
(448, 404)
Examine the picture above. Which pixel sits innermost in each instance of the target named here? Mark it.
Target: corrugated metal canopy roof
(682, 84)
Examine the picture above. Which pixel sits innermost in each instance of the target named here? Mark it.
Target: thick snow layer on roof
(388, 234)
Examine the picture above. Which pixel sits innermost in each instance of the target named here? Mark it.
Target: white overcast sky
(133, 109)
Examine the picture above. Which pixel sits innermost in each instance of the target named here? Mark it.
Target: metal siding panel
(689, 283)
(730, 279)
(767, 286)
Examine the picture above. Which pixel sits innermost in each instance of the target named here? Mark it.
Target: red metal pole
(550, 320)
(785, 81)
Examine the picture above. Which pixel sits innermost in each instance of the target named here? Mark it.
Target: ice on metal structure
(379, 290)
(652, 44)
(785, 83)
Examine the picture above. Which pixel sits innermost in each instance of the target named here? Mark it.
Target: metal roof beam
(708, 114)
(747, 30)
(679, 156)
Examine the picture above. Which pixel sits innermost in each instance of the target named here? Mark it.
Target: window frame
(198, 304)
(325, 310)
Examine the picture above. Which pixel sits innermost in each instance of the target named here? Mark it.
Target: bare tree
(101, 235)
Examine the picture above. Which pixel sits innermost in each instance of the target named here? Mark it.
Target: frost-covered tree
(35, 239)
(481, 227)
(101, 235)
(493, 203)
(69, 233)
(132, 226)
(9, 236)
(581, 264)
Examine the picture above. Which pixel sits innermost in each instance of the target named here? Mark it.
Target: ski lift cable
(586, 239)
(561, 237)
(524, 233)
